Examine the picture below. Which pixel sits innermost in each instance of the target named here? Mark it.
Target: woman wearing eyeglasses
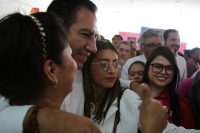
(162, 75)
(103, 93)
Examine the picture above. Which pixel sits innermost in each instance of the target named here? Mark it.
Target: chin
(109, 86)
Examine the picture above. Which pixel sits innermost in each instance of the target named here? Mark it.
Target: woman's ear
(50, 69)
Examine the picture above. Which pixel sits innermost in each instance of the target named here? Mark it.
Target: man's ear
(50, 69)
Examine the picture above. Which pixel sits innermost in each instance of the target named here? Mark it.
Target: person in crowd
(124, 49)
(38, 68)
(150, 39)
(100, 37)
(134, 48)
(103, 92)
(116, 39)
(193, 62)
(185, 87)
(172, 41)
(110, 107)
(187, 54)
(54, 120)
(180, 54)
(162, 75)
(194, 98)
(80, 23)
(136, 71)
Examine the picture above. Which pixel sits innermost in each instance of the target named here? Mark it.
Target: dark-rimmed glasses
(157, 68)
(152, 45)
(105, 65)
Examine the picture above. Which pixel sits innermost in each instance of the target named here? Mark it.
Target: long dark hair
(110, 95)
(21, 54)
(174, 102)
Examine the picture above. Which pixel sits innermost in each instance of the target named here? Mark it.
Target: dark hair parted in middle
(111, 94)
(174, 102)
(21, 54)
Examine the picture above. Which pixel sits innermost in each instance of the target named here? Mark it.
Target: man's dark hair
(187, 52)
(194, 50)
(166, 33)
(117, 36)
(67, 10)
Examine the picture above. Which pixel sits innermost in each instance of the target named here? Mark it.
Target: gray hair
(151, 33)
(124, 42)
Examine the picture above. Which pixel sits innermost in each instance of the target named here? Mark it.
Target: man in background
(172, 41)
(116, 39)
(124, 49)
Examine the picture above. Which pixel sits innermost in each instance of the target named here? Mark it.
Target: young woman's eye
(157, 66)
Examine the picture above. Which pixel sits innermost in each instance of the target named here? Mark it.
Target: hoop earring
(55, 84)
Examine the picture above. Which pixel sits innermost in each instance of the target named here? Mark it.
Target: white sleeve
(171, 128)
(125, 83)
(11, 117)
(124, 73)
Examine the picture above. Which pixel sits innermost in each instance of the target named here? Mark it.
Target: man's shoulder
(136, 58)
(180, 58)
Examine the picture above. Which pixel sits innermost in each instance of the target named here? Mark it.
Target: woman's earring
(55, 84)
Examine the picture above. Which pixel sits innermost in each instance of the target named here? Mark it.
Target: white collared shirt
(181, 63)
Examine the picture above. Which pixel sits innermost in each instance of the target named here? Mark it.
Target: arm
(134, 86)
(194, 112)
(50, 120)
(56, 121)
(153, 116)
(190, 69)
(194, 98)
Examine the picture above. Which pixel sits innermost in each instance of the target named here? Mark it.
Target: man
(194, 98)
(116, 39)
(150, 40)
(193, 62)
(172, 41)
(134, 49)
(186, 54)
(124, 49)
(80, 20)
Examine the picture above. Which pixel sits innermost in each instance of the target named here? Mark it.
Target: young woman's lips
(161, 78)
(110, 79)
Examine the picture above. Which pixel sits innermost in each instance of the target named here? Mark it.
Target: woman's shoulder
(183, 101)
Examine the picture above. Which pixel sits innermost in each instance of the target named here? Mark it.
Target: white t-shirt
(124, 73)
(181, 63)
(11, 117)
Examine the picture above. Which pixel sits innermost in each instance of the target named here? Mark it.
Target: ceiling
(130, 15)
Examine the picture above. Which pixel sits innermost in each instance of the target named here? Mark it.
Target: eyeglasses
(152, 45)
(104, 66)
(157, 68)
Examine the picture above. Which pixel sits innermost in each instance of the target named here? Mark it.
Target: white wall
(114, 18)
